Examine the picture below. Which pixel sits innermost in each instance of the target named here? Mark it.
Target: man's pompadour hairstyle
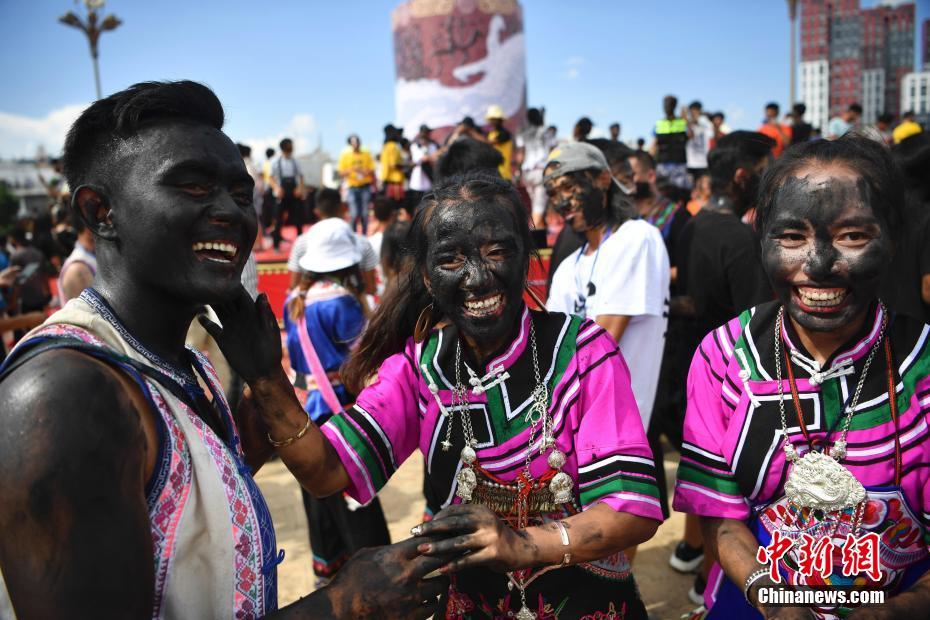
(123, 114)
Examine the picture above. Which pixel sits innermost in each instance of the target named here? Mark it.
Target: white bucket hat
(331, 246)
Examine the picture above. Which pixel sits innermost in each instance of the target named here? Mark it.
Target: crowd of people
(760, 308)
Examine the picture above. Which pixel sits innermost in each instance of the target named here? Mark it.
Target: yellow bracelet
(290, 440)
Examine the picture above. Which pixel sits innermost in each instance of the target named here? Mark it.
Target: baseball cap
(572, 157)
(494, 111)
(331, 246)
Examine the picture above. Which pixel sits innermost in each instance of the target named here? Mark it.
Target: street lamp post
(793, 16)
(92, 27)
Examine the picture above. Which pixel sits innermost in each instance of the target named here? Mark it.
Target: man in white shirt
(533, 146)
(620, 276)
(423, 157)
(700, 134)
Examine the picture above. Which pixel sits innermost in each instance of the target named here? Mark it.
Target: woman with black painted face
(806, 415)
(526, 419)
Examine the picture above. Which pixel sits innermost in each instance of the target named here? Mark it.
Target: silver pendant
(446, 445)
(818, 482)
(468, 455)
(556, 459)
(467, 481)
(561, 488)
(525, 614)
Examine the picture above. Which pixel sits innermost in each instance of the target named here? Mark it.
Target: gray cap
(572, 157)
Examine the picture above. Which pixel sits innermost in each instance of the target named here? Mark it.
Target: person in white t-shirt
(620, 276)
(700, 135)
(533, 146)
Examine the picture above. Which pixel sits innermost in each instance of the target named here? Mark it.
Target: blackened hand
(478, 538)
(387, 582)
(250, 338)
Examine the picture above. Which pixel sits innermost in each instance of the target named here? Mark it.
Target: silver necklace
(817, 481)
(538, 416)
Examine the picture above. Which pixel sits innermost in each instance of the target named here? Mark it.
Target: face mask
(643, 190)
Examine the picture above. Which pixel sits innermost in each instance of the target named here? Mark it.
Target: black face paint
(824, 250)
(586, 207)
(476, 265)
(183, 213)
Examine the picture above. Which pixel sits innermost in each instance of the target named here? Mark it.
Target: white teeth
(227, 248)
(822, 298)
(484, 306)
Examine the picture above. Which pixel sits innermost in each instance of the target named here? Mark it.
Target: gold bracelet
(290, 440)
(563, 534)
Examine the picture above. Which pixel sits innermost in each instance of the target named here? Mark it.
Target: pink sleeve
(706, 484)
(375, 436)
(615, 465)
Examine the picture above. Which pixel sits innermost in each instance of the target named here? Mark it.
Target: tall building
(854, 55)
(925, 56)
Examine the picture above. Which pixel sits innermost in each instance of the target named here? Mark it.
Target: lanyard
(590, 289)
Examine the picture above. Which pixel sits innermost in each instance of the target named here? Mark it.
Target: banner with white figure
(456, 58)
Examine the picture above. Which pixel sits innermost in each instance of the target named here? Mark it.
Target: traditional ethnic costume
(599, 452)
(736, 463)
(332, 319)
(213, 538)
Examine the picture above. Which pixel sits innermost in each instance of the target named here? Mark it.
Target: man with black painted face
(619, 277)
(525, 418)
(807, 414)
(127, 488)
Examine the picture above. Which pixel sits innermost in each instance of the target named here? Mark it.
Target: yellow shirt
(391, 158)
(266, 172)
(358, 168)
(905, 130)
(506, 151)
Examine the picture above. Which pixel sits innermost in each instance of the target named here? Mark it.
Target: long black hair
(394, 320)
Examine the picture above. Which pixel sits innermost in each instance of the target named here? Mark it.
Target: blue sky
(318, 70)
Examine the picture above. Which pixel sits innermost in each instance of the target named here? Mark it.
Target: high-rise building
(854, 55)
(925, 56)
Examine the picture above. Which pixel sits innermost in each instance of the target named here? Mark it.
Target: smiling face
(476, 265)
(579, 199)
(824, 249)
(182, 213)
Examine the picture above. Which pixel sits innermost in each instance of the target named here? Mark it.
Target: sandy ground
(663, 590)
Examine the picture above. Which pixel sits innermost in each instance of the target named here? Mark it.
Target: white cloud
(573, 67)
(574, 61)
(299, 129)
(23, 136)
(571, 74)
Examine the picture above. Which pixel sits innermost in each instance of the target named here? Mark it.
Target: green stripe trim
(689, 473)
(365, 450)
(426, 357)
(744, 318)
(618, 485)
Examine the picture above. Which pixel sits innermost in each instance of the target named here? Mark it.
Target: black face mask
(806, 258)
(476, 253)
(643, 190)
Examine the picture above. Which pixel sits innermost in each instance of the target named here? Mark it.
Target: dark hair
(585, 125)
(467, 155)
(534, 117)
(695, 105)
(394, 320)
(738, 149)
(90, 143)
(886, 117)
(645, 159)
(799, 108)
(617, 125)
(913, 156)
(672, 99)
(719, 115)
(244, 150)
(855, 107)
(772, 106)
(269, 153)
(328, 202)
(383, 208)
(392, 246)
(18, 235)
(907, 113)
(864, 156)
(613, 151)
(353, 135)
(286, 143)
